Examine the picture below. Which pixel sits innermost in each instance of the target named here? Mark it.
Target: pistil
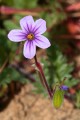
(30, 36)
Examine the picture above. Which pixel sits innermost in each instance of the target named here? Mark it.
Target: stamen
(30, 36)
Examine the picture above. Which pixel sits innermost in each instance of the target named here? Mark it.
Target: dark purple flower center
(30, 36)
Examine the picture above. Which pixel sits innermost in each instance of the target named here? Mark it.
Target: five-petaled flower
(31, 33)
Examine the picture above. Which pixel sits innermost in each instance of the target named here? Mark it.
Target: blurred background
(22, 96)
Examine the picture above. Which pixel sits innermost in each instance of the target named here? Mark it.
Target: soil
(29, 106)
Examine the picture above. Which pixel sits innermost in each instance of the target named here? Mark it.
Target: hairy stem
(38, 65)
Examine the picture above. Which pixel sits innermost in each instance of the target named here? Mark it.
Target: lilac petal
(27, 23)
(17, 35)
(64, 87)
(40, 26)
(42, 42)
(29, 49)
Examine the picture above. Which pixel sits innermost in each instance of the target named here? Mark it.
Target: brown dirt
(28, 106)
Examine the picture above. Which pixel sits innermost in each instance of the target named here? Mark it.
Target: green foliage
(56, 69)
(39, 88)
(54, 17)
(4, 49)
(20, 3)
(9, 25)
(59, 68)
(10, 74)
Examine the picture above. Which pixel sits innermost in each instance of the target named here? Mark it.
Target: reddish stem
(42, 75)
(9, 11)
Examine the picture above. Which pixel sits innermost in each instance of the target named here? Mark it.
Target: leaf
(25, 3)
(9, 25)
(9, 75)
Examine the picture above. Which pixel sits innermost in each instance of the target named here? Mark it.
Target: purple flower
(31, 33)
(64, 87)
